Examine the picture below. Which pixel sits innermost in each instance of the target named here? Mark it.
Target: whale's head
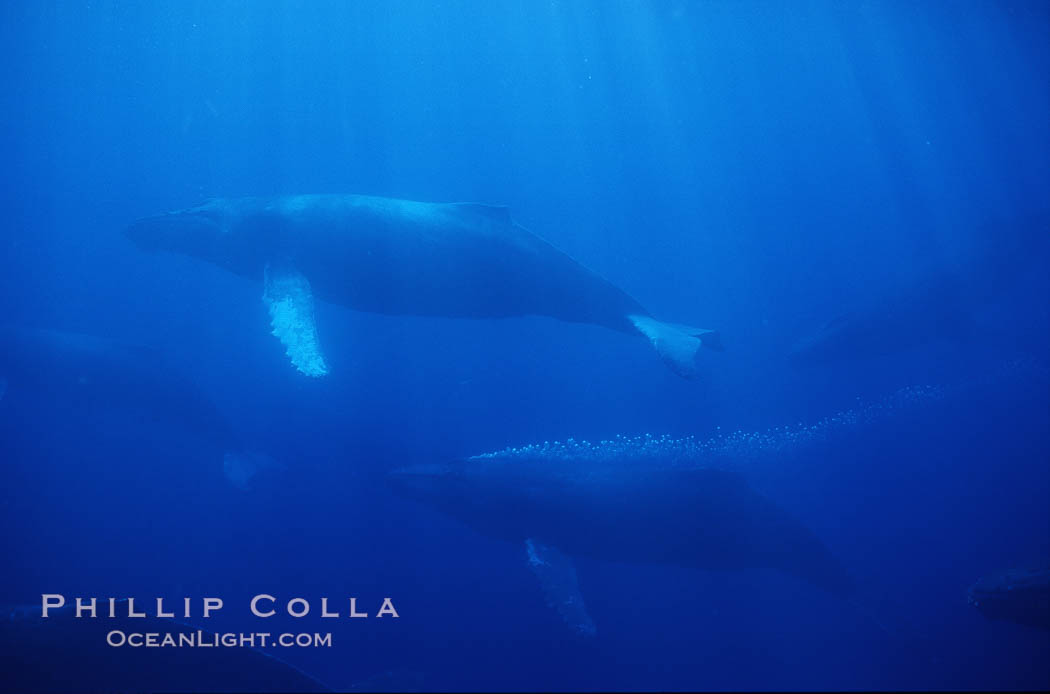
(492, 499)
(431, 483)
(194, 231)
(460, 488)
(227, 232)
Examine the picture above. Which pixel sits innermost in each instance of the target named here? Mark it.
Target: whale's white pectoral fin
(676, 344)
(558, 579)
(290, 301)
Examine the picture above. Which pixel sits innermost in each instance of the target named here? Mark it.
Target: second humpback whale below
(632, 500)
(392, 256)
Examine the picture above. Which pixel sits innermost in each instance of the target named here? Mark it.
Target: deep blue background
(752, 167)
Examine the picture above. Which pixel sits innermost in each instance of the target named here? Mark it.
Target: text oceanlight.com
(207, 639)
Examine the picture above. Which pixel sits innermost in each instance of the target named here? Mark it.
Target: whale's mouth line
(420, 471)
(163, 231)
(423, 480)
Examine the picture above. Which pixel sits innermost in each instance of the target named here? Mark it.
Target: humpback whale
(1017, 595)
(382, 255)
(967, 301)
(83, 374)
(940, 307)
(625, 500)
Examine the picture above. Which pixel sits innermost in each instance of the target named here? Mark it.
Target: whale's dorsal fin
(561, 589)
(499, 214)
(290, 301)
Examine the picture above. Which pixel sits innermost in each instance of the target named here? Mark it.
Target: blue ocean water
(758, 168)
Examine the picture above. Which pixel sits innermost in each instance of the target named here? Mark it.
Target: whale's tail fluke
(677, 344)
(244, 468)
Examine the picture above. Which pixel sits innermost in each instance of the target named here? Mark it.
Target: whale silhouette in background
(1017, 595)
(618, 501)
(969, 301)
(81, 374)
(390, 256)
(937, 308)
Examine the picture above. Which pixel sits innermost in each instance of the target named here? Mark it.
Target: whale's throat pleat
(290, 301)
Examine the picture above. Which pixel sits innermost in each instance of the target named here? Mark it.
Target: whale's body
(614, 501)
(401, 257)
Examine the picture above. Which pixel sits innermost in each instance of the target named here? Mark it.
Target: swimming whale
(79, 375)
(625, 500)
(1017, 595)
(389, 256)
(975, 299)
(937, 309)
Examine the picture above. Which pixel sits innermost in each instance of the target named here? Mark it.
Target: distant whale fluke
(242, 468)
(459, 260)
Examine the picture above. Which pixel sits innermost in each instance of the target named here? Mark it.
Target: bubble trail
(741, 446)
